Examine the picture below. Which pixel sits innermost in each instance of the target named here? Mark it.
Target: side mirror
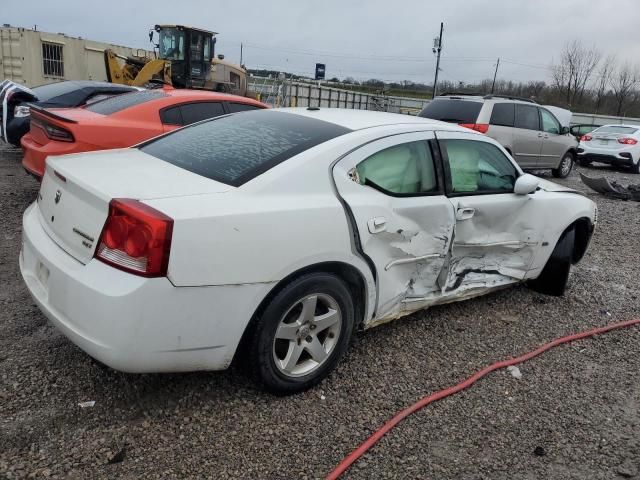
(564, 130)
(526, 184)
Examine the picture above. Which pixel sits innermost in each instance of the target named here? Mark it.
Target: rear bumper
(35, 154)
(130, 323)
(625, 156)
(16, 129)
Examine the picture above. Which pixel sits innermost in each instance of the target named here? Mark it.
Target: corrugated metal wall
(10, 55)
(69, 58)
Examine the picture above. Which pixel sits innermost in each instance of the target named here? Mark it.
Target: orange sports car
(121, 121)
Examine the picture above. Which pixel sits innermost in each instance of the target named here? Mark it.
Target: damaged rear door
(497, 232)
(395, 192)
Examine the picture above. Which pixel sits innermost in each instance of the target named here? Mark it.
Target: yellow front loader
(136, 71)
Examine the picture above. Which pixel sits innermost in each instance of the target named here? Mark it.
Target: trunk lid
(607, 140)
(76, 190)
(60, 118)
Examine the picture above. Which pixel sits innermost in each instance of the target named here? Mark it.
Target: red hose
(373, 439)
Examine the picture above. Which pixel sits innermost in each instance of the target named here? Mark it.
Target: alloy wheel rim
(307, 335)
(566, 165)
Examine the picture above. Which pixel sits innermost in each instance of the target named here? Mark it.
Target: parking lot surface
(574, 414)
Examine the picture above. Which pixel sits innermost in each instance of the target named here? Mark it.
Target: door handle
(546, 135)
(377, 224)
(540, 135)
(465, 213)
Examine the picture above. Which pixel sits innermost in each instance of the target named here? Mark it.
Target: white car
(281, 232)
(612, 144)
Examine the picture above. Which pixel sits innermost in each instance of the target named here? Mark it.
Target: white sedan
(276, 233)
(617, 145)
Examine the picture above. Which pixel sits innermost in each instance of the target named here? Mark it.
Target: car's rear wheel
(555, 274)
(635, 168)
(565, 166)
(302, 333)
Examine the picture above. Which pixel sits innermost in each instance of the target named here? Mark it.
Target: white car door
(394, 190)
(497, 233)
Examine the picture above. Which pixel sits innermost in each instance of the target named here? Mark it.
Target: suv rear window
(452, 110)
(237, 148)
(116, 104)
(616, 129)
(503, 114)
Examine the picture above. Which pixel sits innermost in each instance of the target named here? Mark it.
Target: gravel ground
(578, 405)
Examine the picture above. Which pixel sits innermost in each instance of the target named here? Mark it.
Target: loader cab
(189, 50)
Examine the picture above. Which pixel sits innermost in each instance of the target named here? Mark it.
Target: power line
(363, 56)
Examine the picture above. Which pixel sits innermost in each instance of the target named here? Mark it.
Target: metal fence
(289, 93)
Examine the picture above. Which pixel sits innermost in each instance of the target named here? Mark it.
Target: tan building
(32, 58)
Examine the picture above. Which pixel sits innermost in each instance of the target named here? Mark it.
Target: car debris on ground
(612, 189)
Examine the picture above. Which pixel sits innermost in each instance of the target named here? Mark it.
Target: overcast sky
(388, 40)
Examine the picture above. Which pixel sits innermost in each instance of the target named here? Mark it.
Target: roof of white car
(628, 125)
(359, 119)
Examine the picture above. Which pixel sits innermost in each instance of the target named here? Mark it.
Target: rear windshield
(616, 129)
(236, 148)
(52, 90)
(116, 104)
(452, 110)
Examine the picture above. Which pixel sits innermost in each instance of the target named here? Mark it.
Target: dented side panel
(406, 238)
(501, 238)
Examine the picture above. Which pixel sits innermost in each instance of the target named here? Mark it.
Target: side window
(503, 114)
(194, 112)
(241, 107)
(478, 167)
(171, 116)
(549, 122)
(197, 47)
(405, 169)
(527, 117)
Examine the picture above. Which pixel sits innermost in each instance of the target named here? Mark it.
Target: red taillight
(136, 238)
(586, 138)
(627, 141)
(53, 131)
(478, 127)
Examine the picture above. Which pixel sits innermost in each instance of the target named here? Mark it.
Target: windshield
(236, 148)
(118, 103)
(52, 90)
(452, 110)
(171, 44)
(616, 129)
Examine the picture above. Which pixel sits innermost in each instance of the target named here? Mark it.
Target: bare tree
(577, 64)
(603, 79)
(623, 85)
(535, 88)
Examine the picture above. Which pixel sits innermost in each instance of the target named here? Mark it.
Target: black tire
(635, 168)
(555, 274)
(565, 166)
(262, 343)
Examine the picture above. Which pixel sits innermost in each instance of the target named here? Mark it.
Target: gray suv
(531, 133)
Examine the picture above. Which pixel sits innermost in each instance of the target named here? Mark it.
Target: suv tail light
(586, 138)
(136, 238)
(627, 141)
(478, 127)
(52, 131)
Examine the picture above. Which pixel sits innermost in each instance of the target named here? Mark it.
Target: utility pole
(437, 47)
(493, 85)
(241, 53)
